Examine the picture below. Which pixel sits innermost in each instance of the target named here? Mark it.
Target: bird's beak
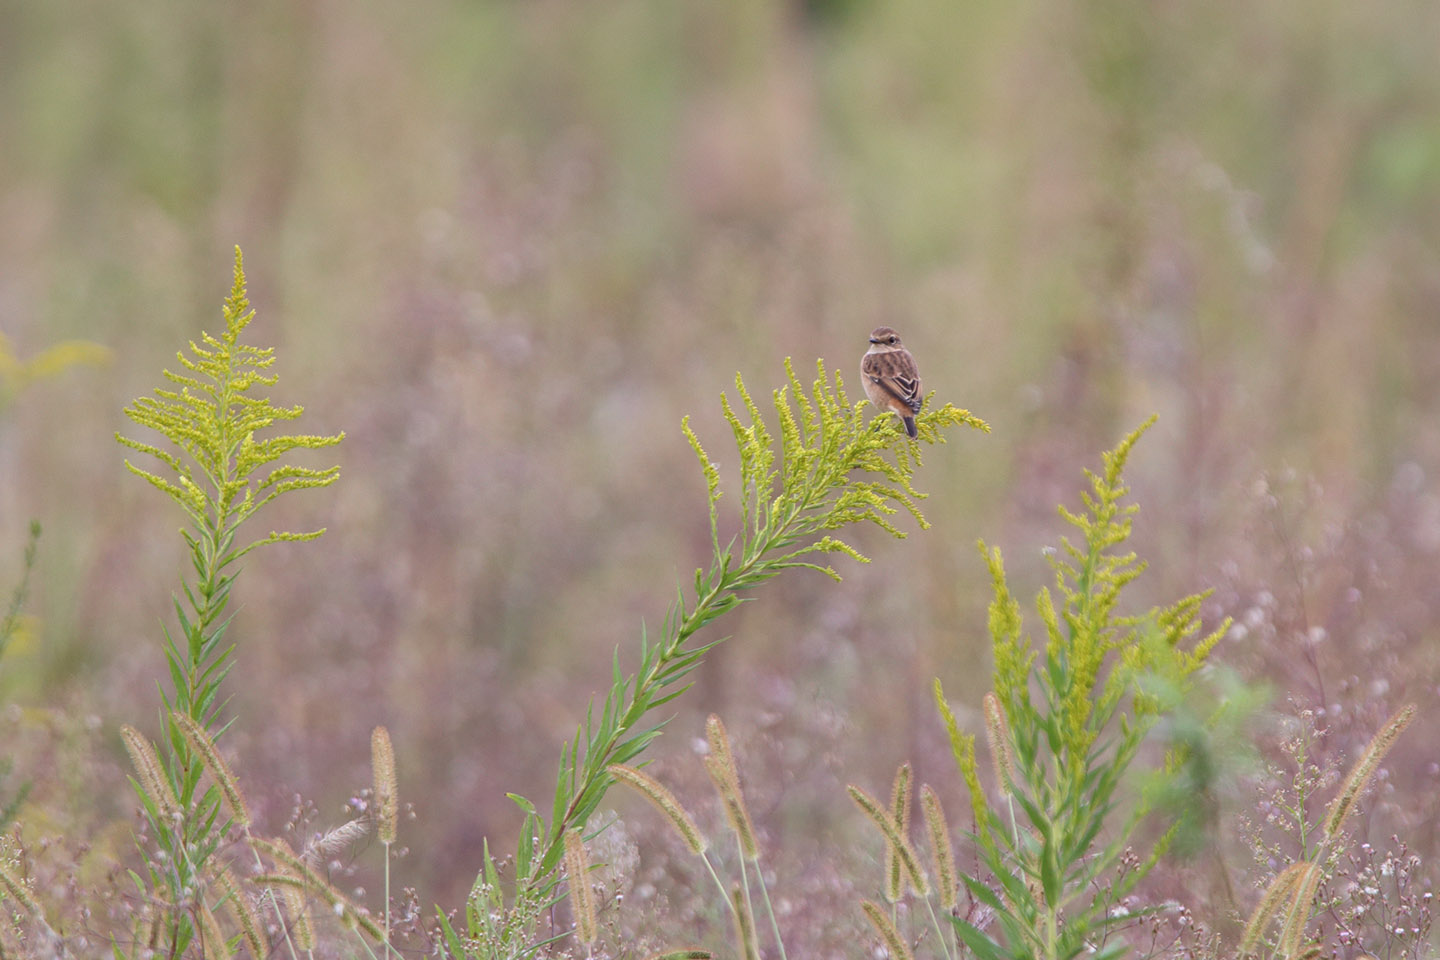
(873, 340)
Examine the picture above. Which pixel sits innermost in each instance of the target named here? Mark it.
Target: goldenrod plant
(16, 624)
(16, 374)
(214, 461)
(1065, 724)
(831, 466)
(13, 624)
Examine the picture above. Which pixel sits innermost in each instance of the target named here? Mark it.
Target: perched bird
(892, 381)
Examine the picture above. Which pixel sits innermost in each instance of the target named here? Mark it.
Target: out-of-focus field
(507, 246)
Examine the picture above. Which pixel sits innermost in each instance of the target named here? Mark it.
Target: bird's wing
(896, 374)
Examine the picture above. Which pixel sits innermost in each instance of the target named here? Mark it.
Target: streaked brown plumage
(891, 379)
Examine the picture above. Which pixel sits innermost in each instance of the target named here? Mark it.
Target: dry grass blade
(336, 840)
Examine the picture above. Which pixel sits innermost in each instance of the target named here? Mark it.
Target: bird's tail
(910, 427)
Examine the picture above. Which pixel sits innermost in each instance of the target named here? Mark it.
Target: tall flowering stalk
(831, 466)
(213, 461)
(1064, 725)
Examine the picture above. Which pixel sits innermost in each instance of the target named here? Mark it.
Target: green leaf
(981, 945)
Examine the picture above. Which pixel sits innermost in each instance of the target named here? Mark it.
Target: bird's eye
(893, 339)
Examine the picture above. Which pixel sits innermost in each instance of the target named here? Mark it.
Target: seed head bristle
(302, 926)
(582, 895)
(280, 852)
(942, 849)
(1365, 768)
(212, 938)
(335, 840)
(1276, 894)
(997, 736)
(244, 913)
(736, 813)
(1292, 934)
(148, 771)
(894, 943)
(744, 925)
(872, 809)
(201, 742)
(664, 801)
(387, 803)
(18, 891)
(719, 741)
(900, 814)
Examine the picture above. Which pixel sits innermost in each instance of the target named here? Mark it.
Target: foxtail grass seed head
(18, 891)
(302, 925)
(336, 840)
(212, 938)
(280, 852)
(387, 804)
(1275, 896)
(244, 913)
(998, 736)
(719, 741)
(664, 801)
(872, 809)
(744, 925)
(1365, 768)
(147, 929)
(148, 771)
(736, 813)
(894, 943)
(582, 895)
(360, 917)
(943, 850)
(201, 742)
(900, 814)
(1292, 934)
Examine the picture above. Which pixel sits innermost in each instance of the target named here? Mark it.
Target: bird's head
(884, 337)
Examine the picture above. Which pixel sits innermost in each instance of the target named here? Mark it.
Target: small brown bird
(892, 381)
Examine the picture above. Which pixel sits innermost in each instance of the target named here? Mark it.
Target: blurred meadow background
(506, 246)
